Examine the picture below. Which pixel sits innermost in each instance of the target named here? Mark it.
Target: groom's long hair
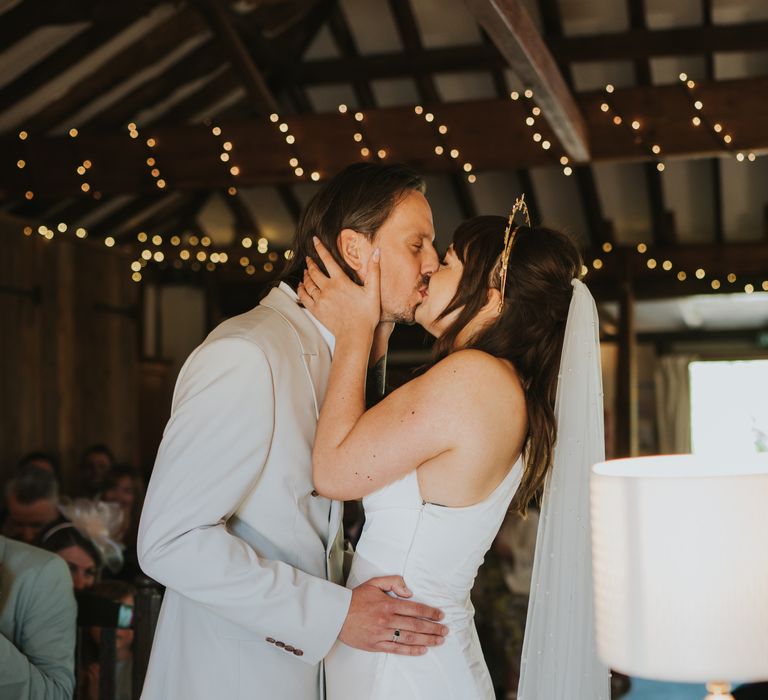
(361, 197)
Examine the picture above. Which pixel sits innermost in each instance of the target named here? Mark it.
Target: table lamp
(680, 562)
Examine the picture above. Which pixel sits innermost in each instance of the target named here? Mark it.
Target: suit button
(288, 647)
(315, 493)
(280, 644)
(298, 652)
(270, 640)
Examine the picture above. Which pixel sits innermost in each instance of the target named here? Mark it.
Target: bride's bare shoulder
(477, 371)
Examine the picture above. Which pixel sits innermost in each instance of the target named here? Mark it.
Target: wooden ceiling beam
(74, 51)
(425, 84)
(748, 261)
(662, 220)
(221, 21)
(510, 27)
(620, 46)
(598, 229)
(150, 48)
(189, 157)
(348, 47)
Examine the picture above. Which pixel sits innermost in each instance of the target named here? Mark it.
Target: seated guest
(40, 460)
(88, 682)
(96, 461)
(86, 540)
(31, 499)
(37, 624)
(123, 485)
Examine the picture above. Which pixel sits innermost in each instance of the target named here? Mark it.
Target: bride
(440, 460)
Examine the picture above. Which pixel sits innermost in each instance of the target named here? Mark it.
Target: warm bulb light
(109, 241)
(700, 274)
(641, 247)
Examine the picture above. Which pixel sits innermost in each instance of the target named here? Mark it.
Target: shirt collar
(328, 337)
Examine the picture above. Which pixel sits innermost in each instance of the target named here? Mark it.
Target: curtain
(673, 404)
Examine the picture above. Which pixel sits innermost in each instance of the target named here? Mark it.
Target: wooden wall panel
(69, 352)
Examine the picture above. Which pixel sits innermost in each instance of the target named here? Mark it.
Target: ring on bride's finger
(396, 636)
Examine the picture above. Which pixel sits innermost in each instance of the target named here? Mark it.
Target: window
(729, 406)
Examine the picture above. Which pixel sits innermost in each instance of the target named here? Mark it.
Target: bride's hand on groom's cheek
(374, 618)
(336, 301)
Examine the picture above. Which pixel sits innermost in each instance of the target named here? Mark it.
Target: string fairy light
(360, 135)
(722, 136)
(226, 157)
(634, 127)
(444, 147)
(533, 111)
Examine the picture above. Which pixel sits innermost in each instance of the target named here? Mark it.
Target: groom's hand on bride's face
(374, 617)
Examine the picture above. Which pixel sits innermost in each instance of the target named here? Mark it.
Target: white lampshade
(680, 560)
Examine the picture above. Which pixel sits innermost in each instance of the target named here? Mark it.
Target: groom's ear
(353, 250)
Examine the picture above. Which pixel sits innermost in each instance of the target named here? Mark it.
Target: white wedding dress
(437, 550)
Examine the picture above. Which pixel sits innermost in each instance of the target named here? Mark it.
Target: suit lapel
(317, 360)
(314, 350)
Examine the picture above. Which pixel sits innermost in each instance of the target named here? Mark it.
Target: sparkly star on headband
(509, 239)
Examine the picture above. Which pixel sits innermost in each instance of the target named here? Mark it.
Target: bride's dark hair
(530, 330)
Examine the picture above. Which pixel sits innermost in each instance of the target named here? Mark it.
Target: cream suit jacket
(250, 555)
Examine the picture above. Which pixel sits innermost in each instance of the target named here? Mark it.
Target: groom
(250, 554)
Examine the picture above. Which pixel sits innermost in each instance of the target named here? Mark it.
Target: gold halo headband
(509, 239)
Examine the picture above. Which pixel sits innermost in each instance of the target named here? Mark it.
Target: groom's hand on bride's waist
(377, 621)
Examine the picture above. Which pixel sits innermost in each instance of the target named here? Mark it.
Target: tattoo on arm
(375, 386)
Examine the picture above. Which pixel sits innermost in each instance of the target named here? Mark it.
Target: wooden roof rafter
(515, 35)
(187, 152)
(425, 84)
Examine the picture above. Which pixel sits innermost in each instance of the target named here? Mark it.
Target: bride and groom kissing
(269, 433)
